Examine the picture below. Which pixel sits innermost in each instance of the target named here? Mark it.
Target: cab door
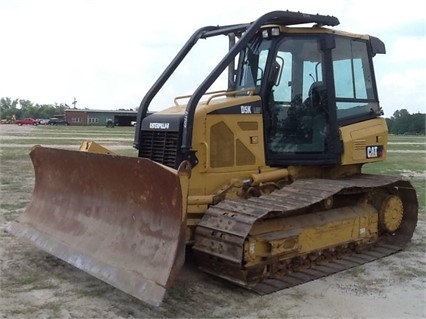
(299, 126)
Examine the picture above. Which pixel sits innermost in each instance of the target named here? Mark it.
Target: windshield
(252, 65)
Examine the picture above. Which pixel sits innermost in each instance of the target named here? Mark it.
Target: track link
(317, 271)
(224, 228)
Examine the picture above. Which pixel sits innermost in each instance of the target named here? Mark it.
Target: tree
(417, 125)
(402, 122)
(8, 107)
(22, 108)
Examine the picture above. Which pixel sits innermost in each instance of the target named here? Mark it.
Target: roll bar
(247, 31)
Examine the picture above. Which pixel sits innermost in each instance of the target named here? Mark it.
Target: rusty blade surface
(117, 218)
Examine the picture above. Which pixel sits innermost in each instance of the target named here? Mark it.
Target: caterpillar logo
(161, 126)
(374, 151)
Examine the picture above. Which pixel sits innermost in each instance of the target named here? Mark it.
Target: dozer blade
(118, 218)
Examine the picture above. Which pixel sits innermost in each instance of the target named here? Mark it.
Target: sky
(107, 54)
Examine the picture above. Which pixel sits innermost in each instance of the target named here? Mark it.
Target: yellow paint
(300, 235)
(356, 137)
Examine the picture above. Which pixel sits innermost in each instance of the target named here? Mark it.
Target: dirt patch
(36, 285)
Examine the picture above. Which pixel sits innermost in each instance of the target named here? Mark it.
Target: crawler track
(223, 230)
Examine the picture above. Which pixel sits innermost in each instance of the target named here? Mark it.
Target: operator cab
(310, 84)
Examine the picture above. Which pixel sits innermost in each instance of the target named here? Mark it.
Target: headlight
(275, 32)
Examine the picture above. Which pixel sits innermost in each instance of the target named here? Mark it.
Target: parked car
(56, 121)
(43, 121)
(27, 121)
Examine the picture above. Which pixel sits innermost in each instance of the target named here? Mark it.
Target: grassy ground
(406, 156)
(16, 172)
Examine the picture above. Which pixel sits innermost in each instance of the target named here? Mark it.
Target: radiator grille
(160, 146)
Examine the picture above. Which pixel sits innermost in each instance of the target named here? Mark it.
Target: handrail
(214, 94)
(230, 93)
(189, 95)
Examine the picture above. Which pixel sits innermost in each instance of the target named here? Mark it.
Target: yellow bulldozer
(261, 182)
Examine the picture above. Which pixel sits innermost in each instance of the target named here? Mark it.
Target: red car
(27, 121)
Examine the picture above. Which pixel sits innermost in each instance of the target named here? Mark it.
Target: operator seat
(317, 96)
